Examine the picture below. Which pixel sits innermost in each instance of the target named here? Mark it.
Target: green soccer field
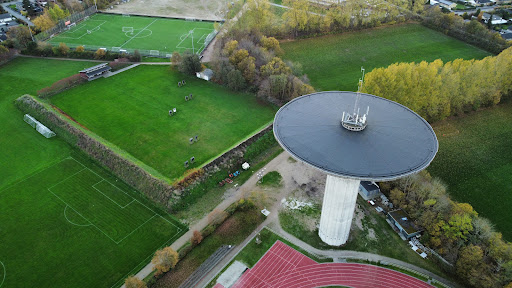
(131, 110)
(115, 32)
(43, 241)
(74, 225)
(334, 62)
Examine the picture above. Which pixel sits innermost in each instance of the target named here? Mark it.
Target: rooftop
(397, 142)
(403, 219)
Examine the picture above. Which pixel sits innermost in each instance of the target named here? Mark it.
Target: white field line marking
(40, 171)
(65, 179)
(134, 198)
(81, 225)
(203, 35)
(145, 260)
(5, 273)
(137, 228)
(152, 253)
(122, 207)
(82, 216)
(85, 33)
(138, 33)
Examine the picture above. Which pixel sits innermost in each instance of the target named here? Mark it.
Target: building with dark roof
(368, 189)
(405, 226)
(507, 36)
(6, 17)
(95, 72)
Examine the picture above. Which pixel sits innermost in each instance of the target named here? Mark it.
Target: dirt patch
(199, 9)
(445, 129)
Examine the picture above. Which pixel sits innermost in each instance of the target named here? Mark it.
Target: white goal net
(154, 52)
(43, 130)
(126, 15)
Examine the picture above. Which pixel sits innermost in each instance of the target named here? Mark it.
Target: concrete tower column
(337, 210)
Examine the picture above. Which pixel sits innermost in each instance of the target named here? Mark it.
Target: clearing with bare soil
(198, 9)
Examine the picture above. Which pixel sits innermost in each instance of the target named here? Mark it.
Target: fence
(143, 52)
(61, 26)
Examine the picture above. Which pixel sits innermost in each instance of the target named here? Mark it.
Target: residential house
(5, 18)
(496, 19)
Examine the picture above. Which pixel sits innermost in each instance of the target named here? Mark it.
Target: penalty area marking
(5, 273)
(185, 36)
(81, 225)
(80, 27)
(134, 200)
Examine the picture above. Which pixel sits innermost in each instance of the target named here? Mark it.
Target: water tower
(327, 131)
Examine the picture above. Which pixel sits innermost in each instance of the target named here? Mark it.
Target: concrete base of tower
(338, 209)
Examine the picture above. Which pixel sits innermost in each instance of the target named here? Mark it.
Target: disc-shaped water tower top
(395, 142)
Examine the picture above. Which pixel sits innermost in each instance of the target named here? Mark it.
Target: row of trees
(472, 32)
(437, 90)
(249, 60)
(482, 258)
(50, 17)
(304, 17)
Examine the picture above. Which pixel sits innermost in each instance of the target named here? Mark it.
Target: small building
(496, 19)
(447, 4)
(368, 190)
(483, 2)
(507, 35)
(3, 36)
(407, 229)
(95, 72)
(206, 74)
(6, 17)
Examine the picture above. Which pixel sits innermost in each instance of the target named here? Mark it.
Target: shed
(95, 72)
(402, 222)
(206, 74)
(369, 189)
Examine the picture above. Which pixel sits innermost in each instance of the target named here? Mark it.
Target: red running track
(282, 266)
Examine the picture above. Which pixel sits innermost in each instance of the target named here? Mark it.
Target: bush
(136, 57)
(80, 49)
(196, 238)
(61, 85)
(260, 145)
(100, 54)
(189, 64)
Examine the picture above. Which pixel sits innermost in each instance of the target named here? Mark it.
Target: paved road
(16, 14)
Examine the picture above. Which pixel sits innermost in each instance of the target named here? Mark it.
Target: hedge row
(155, 189)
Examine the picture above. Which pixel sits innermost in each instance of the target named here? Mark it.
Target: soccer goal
(126, 15)
(128, 29)
(43, 130)
(116, 49)
(154, 52)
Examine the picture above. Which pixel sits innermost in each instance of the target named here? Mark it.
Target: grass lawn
(271, 179)
(474, 159)
(74, 225)
(21, 76)
(165, 35)
(131, 110)
(45, 242)
(334, 62)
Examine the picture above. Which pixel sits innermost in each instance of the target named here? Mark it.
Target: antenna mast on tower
(354, 122)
